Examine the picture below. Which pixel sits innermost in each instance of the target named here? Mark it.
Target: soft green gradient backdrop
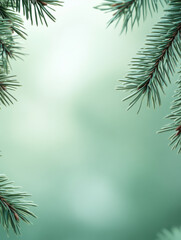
(96, 171)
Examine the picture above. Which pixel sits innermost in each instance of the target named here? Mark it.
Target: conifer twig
(151, 69)
(131, 11)
(36, 10)
(13, 207)
(175, 117)
(154, 64)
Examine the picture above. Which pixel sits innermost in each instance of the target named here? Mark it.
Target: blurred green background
(96, 171)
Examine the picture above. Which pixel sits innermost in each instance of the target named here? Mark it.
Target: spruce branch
(175, 117)
(36, 10)
(11, 26)
(9, 48)
(13, 207)
(151, 69)
(7, 84)
(131, 11)
(8, 14)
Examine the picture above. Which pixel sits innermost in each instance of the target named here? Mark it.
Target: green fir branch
(13, 206)
(36, 10)
(150, 70)
(9, 47)
(175, 117)
(131, 11)
(7, 85)
(13, 18)
(11, 26)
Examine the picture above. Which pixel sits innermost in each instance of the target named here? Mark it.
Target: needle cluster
(13, 206)
(153, 67)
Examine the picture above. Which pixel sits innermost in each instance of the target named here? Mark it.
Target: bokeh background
(96, 171)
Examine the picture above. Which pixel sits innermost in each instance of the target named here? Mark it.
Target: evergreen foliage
(175, 117)
(131, 11)
(13, 206)
(152, 68)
